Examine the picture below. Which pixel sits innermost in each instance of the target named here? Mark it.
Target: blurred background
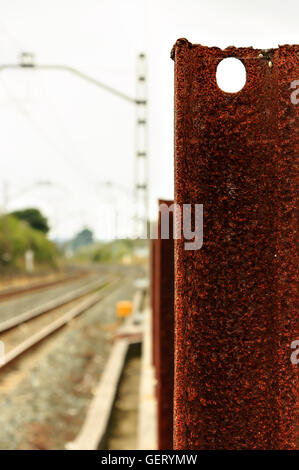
(86, 150)
(68, 147)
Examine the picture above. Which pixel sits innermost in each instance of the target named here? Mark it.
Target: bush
(16, 237)
(109, 252)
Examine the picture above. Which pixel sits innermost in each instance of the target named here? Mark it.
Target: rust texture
(164, 326)
(153, 296)
(157, 288)
(237, 297)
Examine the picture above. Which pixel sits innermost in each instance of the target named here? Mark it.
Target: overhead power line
(141, 160)
(45, 135)
(27, 61)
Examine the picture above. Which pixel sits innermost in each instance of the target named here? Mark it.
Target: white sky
(55, 127)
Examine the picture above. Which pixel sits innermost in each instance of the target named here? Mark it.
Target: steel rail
(8, 292)
(52, 304)
(53, 326)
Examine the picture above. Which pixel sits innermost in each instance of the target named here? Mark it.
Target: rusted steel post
(237, 297)
(165, 326)
(155, 313)
(153, 294)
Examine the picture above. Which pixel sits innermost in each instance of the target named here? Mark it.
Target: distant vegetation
(34, 218)
(26, 230)
(116, 251)
(83, 238)
(17, 236)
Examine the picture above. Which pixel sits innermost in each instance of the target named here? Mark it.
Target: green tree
(34, 218)
(16, 237)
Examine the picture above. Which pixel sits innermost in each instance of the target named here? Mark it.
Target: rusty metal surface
(165, 332)
(154, 281)
(237, 298)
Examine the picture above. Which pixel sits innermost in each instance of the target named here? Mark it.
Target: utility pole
(141, 167)
(141, 145)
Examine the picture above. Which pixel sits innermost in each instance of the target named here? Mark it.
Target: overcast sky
(58, 128)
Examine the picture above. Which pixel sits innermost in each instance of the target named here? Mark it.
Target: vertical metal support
(141, 158)
(154, 295)
(164, 322)
(162, 290)
(236, 301)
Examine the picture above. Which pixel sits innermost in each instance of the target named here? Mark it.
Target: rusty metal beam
(153, 296)
(164, 330)
(237, 297)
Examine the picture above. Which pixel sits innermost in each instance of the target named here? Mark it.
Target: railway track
(8, 292)
(23, 332)
(50, 305)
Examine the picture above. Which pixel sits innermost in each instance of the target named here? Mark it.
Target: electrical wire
(45, 136)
